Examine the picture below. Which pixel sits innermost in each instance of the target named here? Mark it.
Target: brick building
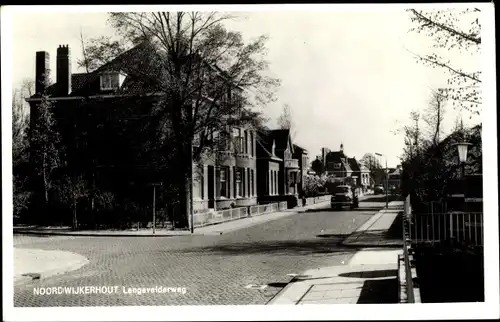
(88, 108)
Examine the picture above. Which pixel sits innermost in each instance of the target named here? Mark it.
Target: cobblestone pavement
(213, 269)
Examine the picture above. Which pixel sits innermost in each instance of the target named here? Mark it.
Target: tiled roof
(265, 143)
(353, 163)
(338, 156)
(299, 149)
(281, 138)
(130, 63)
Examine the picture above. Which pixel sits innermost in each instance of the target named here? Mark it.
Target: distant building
(278, 170)
(301, 154)
(361, 174)
(337, 164)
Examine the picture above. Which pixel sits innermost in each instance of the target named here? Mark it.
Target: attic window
(111, 81)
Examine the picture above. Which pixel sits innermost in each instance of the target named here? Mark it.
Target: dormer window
(111, 80)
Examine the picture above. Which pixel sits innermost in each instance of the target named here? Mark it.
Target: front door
(211, 187)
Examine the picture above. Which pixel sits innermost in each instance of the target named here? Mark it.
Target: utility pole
(386, 180)
(154, 204)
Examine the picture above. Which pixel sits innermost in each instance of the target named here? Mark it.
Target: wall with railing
(407, 270)
(437, 226)
(217, 217)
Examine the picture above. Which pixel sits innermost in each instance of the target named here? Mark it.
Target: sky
(347, 75)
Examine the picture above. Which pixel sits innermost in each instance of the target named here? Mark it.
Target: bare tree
(286, 121)
(434, 117)
(453, 31)
(413, 139)
(202, 75)
(44, 140)
(20, 145)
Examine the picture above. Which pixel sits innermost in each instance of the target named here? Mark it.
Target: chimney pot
(42, 71)
(63, 70)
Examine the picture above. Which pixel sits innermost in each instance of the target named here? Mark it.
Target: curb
(215, 233)
(41, 233)
(73, 266)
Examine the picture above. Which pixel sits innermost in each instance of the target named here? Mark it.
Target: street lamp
(386, 181)
(462, 148)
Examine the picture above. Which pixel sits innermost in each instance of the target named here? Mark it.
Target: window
(251, 144)
(223, 182)
(271, 176)
(275, 182)
(198, 184)
(337, 165)
(252, 180)
(238, 141)
(110, 81)
(246, 142)
(238, 181)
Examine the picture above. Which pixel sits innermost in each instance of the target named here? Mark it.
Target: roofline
(274, 158)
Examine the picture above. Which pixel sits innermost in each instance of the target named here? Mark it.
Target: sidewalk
(370, 276)
(217, 229)
(31, 264)
(376, 231)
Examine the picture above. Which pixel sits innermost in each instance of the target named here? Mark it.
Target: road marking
(256, 287)
(298, 275)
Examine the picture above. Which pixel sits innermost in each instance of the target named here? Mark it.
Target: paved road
(213, 269)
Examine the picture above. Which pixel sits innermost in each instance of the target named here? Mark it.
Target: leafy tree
(203, 75)
(318, 167)
(456, 32)
(370, 161)
(313, 184)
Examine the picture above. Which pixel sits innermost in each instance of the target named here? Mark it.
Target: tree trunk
(75, 221)
(186, 195)
(45, 182)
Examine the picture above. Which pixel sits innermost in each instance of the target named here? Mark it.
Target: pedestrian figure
(303, 199)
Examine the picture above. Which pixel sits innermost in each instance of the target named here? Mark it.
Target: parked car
(343, 196)
(379, 190)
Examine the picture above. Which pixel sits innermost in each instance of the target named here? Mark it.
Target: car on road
(343, 196)
(378, 190)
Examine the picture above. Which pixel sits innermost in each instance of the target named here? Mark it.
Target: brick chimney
(42, 71)
(63, 70)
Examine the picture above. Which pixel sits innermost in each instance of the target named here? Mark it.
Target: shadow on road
(346, 209)
(380, 198)
(371, 274)
(279, 247)
(371, 238)
(379, 292)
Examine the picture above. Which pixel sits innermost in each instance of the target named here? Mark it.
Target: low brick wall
(217, 217)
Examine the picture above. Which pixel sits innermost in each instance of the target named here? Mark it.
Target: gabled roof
(130, 63)
(265, 142)
(338, 156)
(299, 149)
(353, 163)
(282, 138)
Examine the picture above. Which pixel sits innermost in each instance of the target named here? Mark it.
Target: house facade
(279, 172)
(337, 165)
(88, 108)
(228, 178)
(301, 155)
(394, 178)
(360, 174)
